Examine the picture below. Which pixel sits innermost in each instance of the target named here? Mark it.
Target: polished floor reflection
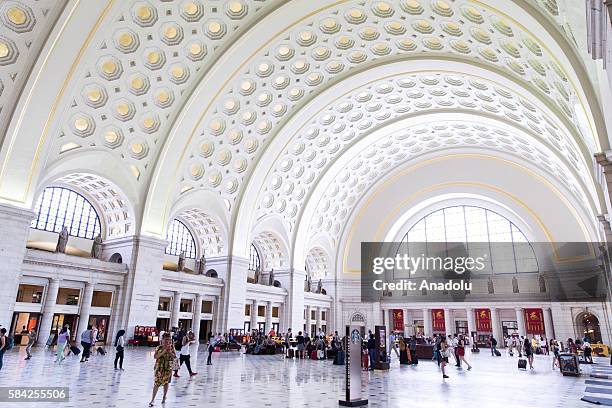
(236, 379)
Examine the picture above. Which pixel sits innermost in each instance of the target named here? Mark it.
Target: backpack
(10, 342)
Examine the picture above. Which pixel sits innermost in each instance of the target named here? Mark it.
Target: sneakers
(445, 376)
(469, 368)
(176, 375)
(192, 374)
(27, 358)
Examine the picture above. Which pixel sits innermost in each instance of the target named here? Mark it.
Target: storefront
(101, 323)
(484, 327)
(21, 325)
(60, 320)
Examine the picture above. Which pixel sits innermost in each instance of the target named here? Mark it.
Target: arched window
(180, 239)
(59, 207)
(254, 259)
(480, 230)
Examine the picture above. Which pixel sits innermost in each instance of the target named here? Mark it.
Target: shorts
(300, 347)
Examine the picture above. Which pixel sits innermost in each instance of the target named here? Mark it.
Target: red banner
(437, 320)
(398, 320)
(483, 320)
(534, 321)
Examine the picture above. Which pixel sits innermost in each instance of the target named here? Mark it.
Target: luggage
(511, 354)
(101, 351)
(313, 355)
(320, 355)
(75, 350)
(290, 353)
(522, 363)
(497, 353)
(339, 359)
(365, 360)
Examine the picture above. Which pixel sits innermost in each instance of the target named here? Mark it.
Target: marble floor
(238, 380)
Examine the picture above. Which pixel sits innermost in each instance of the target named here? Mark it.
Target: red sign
(398, 320)
(534, 321)
(437, 320)
(483, 320)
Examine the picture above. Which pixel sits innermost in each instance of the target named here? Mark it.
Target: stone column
(48, 310)
(144, 258)
(549, 331)
(15, 224)
(407, 321)
(448, 321)
(254, 307)
(85, 309)
(520, 320)
(268, 317)
(197, 316)
(176, 307)
(427, 328)
(233, 296)
(471, 319)
(307, 321)
(293, 281)
(115, 319)
(496, 327)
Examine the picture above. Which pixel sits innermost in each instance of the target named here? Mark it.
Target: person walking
(86, 342)
(119, 347)
(211, 348)
(185, 354)
(493, 343)
(528, 351)
(300, 345)
(555, 349)
(3, 345)
(62, 341)
(443, 355)
(372, 351)
(460, 351)
(164, 357)
(31, 341)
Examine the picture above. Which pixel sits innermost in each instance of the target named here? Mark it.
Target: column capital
(16, 213)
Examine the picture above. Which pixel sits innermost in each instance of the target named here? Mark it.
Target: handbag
(176, 365)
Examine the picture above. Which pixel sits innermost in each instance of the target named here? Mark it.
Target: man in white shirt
(185, 356)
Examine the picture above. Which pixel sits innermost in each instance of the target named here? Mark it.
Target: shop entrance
(60, 320)
(101, 323)
(185, 325)
(163, 324)
(205, 330)
(587, 325)
(22, 323)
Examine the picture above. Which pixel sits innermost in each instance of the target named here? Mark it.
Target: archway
(587, 324)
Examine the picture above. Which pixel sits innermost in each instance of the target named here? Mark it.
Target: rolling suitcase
(75, 350)
(339, 359)
(313, 355)
(365, 360)
(497, 353)
(290, 353)
(320, 355)
(522, 363)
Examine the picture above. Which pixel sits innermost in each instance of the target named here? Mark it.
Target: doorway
(587, 325)
(22, 323)
(60, 320)
(205, 330)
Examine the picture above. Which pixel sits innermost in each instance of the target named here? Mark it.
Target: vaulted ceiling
(272, 107)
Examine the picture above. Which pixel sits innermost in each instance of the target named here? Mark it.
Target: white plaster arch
(189, 132)
(272, 241)
(316, 196)
(281, 143)
(527, 194)
(110, 189)
(206, 215)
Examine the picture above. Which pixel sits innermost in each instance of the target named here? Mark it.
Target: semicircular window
(180, 239)
(59, 207)
(474, 231)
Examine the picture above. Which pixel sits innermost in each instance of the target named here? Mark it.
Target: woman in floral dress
(164, 359)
